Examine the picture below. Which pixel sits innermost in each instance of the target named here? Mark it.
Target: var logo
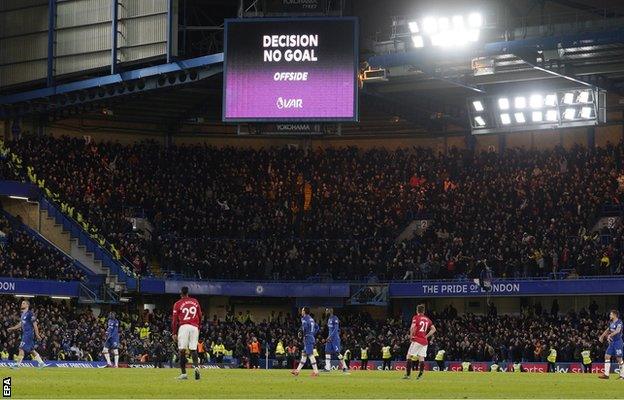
(288, 103)
(6, 387)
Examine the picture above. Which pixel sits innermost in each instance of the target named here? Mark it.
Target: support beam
(114, 15)
(51, 29)
(169, 30)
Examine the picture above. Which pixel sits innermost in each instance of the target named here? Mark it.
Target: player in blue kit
(309, 329)
(30, 330)
(332, 345)
(613, 335)
(112, 340)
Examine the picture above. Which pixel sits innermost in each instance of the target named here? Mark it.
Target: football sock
(302, 362)
(327, 362)
(622, 369)
(106, 356)
(195, 359)
(607, 368)
(422, 369)
(38, 359)
(313, 362)
(183, 361)
(408, 368)
(116, 355)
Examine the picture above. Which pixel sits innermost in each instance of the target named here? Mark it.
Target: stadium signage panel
(294, 6)
(287, 69)
(508, 288)
(38, 287)
(260, 289)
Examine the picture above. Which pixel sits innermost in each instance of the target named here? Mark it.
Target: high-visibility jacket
(494, 367)
(279, 349)
(517, 367)
(386, 354)
(219, 349)
(254, 348)
(552, 356)
(4, 355)
(144, 332)
(465, 366)
(586, 355)
(364, 353)
(315, 352)
(440, 355)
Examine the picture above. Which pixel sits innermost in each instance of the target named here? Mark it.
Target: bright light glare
(583, 97)
(568, 98)
(551, 100)
(480, 121)
(551, 115)
(478, 106)
(458, 22)
(505, 119)
(413, 27)
(473, 35)
(569, 113)
(536, 101)
(503, 103)
(586, 112)
(536, 116)
(520, 118)
(520, 102)
(418, 41)
(475, 20)
(430, 25)
(444, 24)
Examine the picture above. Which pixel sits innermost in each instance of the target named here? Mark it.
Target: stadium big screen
(290, 69)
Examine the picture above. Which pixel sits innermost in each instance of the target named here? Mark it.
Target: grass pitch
(160, 383)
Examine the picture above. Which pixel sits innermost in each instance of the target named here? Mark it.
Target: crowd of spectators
(76, 333)
(24, 256)
(290, 214)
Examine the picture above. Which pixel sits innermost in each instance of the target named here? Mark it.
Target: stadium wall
(127, 133)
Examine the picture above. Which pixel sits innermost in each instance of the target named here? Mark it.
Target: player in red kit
(185, 323)
(420, 331)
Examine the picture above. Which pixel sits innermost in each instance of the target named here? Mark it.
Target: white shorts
(188, 335)
(417, 350)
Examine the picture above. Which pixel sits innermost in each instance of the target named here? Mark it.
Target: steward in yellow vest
(552, 359)
(587, 361)
(439, 359)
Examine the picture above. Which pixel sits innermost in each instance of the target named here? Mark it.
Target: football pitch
(160, 383)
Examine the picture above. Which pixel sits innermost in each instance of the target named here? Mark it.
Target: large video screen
(290, 69)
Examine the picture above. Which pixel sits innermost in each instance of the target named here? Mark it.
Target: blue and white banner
(260, 289)
(55, 364)
(509, 288)
(38, 287)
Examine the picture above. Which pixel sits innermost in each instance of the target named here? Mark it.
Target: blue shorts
(27, 345)
(332, 347)
(111, 343)
(308, 348)
(615, 349)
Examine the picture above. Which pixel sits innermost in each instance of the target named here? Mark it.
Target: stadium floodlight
(516, 111)
(583, 97)
(551, 100)
(568, 98)
(446, 30)
(418, 41)
(586, 112)
(503, 103)
(569, 113)
(552, 116)
(475, 20)
(536, 101)
(430, 25)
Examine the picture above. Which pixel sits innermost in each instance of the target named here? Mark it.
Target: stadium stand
(242, 214)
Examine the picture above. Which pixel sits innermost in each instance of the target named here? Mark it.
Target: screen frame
(356, 61)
